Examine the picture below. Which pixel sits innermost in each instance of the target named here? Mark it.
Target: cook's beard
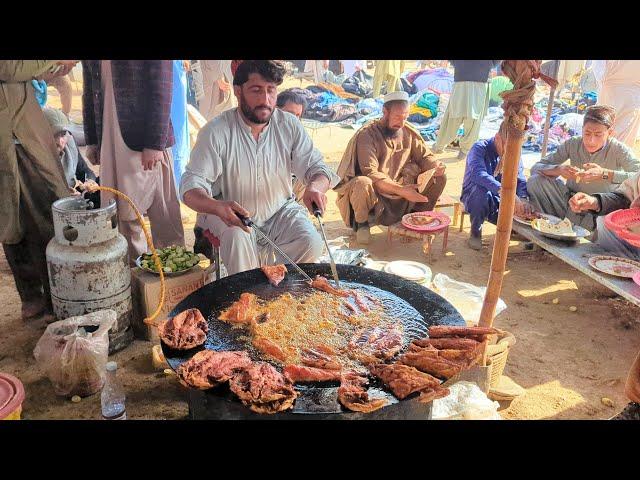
(390, 133)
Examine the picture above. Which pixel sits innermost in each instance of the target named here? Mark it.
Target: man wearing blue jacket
(481, 187)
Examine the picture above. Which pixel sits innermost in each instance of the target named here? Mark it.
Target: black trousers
(27, 258)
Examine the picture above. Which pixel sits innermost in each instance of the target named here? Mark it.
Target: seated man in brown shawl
(380, 169)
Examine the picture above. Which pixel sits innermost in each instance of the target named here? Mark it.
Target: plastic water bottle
(112, 397)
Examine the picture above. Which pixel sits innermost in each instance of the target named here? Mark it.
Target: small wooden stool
(462, 214)
(426, 237)
(447, 201)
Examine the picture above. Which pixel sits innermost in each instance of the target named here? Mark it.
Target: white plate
(606, 264)
(551, 218)
(414, 271)
(579, 231)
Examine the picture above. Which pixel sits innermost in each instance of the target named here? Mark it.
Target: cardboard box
(145, 292)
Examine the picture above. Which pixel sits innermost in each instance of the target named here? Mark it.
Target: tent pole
(547, 120)
(547, 123)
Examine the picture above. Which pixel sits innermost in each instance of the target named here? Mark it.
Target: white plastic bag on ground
(465, 402)
(73, 358)
(465, 297)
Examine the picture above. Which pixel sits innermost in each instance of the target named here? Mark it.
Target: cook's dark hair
(602, 114)
(292, 96)
(270, 70)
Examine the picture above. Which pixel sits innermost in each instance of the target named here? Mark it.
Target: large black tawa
(415, 306)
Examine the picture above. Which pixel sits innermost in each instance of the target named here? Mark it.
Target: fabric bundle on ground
(439, 80)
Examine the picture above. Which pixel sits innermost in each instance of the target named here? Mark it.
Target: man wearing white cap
(379, 170)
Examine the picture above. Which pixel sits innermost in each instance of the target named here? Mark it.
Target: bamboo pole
(518, 104)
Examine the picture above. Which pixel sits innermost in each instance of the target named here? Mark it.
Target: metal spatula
(249, 223)
(334, 270)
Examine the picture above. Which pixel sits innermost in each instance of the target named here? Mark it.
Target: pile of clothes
(424, 106)
(327, 102)
(346, 103)
(565, 122)
(350, 104)
(359, 84)
(438, 80)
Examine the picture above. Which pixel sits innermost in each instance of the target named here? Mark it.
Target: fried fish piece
(403, 380)
(299, 373)
(321, 283)
(241, 311)
(429, 395)
(263, 389)
(353, 394)
(270, 348)
(186, 330)
(209, 368)
(274, 273)
(439, 331)
(427, 363)
(313, 357)
(447, 342)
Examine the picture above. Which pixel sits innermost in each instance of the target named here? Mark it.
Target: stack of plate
(414, 271)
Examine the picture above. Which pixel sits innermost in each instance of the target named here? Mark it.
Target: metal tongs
(249, 223)
(334, 270)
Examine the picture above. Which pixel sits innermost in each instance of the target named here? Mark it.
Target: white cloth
(196, 122)
(317, 68)
(349, 66)
(290, 228)
(121, 167)
(152, 191)
(229, 164)
(468, 100)
(619, 86)
(215, 101)
(569, 69)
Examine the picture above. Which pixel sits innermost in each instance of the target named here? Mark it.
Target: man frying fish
(242, 164)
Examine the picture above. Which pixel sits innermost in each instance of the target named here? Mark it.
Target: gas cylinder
(88, 265)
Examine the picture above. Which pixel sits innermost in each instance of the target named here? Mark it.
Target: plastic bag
(73, 353)
(342, 254)
(465, 297)
(465, 402)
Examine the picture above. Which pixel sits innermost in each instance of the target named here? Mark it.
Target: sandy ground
(567, 361)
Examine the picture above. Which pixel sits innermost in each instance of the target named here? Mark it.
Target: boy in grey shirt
(597, 163)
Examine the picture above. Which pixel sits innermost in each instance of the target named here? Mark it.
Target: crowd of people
(254, 158)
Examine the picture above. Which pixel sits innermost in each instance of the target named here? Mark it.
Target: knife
(334, 270)
(249, 223)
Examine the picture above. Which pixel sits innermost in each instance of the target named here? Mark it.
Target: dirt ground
(567, 361)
